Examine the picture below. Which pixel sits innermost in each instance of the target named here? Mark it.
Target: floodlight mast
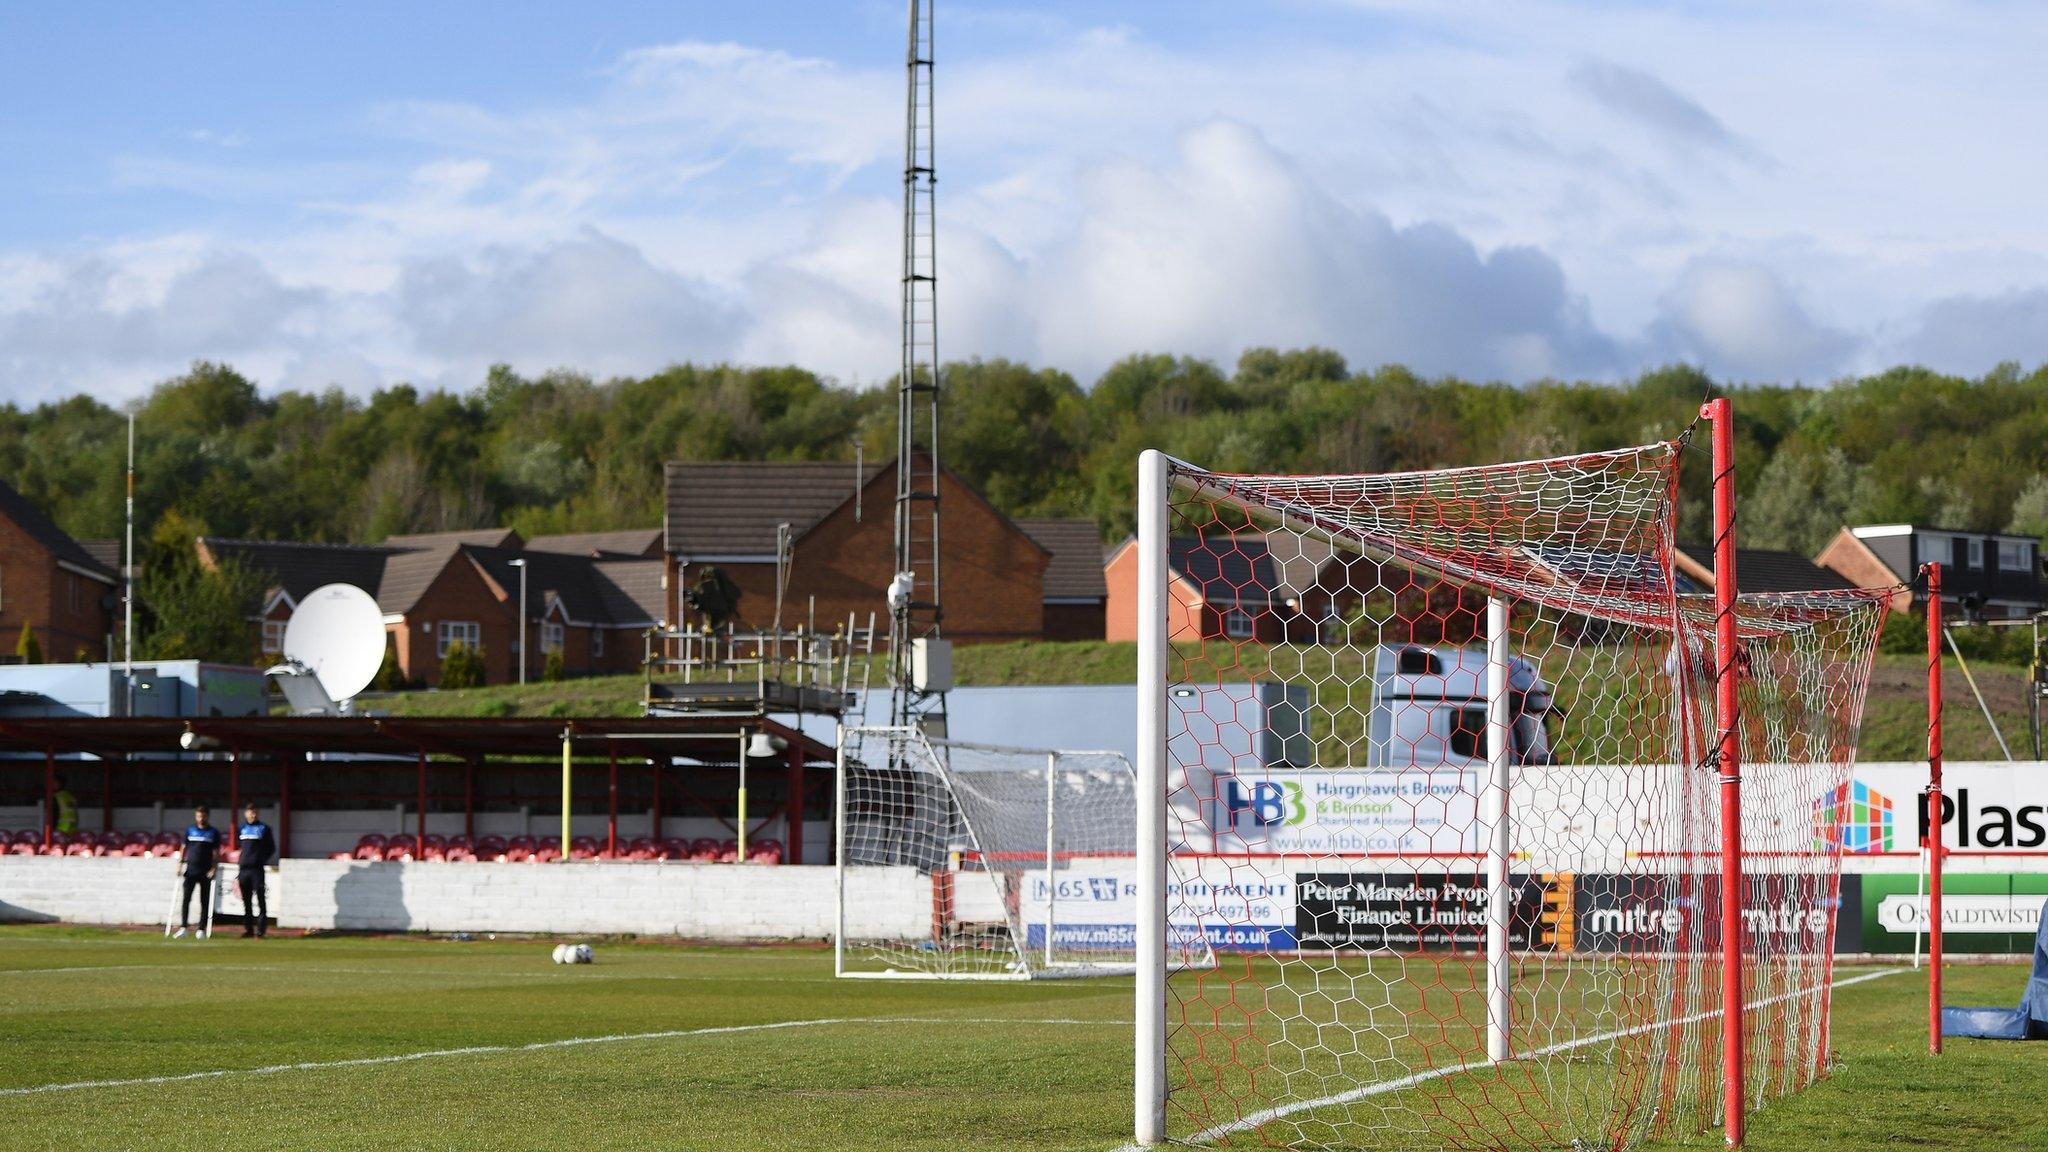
(914, 588)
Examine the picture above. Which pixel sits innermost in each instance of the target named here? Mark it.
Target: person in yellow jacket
(67, 808)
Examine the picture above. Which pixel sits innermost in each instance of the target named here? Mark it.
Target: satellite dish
(337, 634)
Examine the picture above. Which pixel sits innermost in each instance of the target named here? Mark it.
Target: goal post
(973, 861)
(1541, 828)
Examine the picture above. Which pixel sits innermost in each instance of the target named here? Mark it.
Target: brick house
(1076, 595)
(2000, 575)
(1219, 587)
(53, 584)
(441, 588)
(726, 515)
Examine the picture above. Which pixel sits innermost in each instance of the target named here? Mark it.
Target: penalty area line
(1266, 1116)
(540, 1046)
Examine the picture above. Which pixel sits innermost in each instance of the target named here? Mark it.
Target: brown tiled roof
(300, 568)
(629, 542)
(1767, 570)
(409, 573)
(1076, 546)
(106, 552)
(732, 509)
(482, 537)
(631, 590)
(30, 519)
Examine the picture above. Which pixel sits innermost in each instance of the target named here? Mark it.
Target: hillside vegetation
(567, 453)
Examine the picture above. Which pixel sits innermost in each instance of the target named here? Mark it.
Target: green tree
(187, 610)
(28, 648)
(2030, 510)
(462, 667)
(553, 668)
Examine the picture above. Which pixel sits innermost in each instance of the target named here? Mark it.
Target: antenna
(920, 671)
(128, 579)
(333, 647)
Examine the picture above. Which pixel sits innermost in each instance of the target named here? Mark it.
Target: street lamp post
(521, 565)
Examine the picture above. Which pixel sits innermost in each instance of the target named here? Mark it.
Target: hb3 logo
(1266, 802)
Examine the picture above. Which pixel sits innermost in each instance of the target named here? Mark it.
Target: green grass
(912, 1066)
(1894, 728)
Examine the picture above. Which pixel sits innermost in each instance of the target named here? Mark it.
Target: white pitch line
(539, 1046)
(1267, 1116)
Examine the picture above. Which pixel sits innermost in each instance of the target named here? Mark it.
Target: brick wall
(67, 610)
(1187, 618)
(460, 592)
(993, 578)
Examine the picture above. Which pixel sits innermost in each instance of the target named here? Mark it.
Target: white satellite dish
(337, 635)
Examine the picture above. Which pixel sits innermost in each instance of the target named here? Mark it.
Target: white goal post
(964, 861)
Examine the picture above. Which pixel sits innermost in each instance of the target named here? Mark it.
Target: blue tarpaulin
(2027, 1022)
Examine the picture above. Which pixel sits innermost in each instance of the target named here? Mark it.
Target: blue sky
(364, 194)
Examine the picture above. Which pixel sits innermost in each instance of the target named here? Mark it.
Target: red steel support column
(49, 798)
(794, 809)
(284, 803)
(420, 846)
(1934, 809)
(1727, 722)
(611, 827)
(654, 767)
(469, 798)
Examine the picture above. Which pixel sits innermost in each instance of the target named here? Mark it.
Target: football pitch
(122, 1039)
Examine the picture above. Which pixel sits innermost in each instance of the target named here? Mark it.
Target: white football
(561, 954)
(584, 955)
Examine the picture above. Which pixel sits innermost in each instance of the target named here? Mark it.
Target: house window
(273, 637)
(468, 632)
(1237, 624)
(2012, 556)
(1976, 554)
(596, 642)
(551, 636)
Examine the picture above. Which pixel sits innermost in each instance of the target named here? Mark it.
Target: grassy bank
(1895, 721)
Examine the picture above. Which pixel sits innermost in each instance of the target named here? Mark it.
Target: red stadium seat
(231, 855)
(28, 836)
(520, 849)
(584, 848)
(135, 844)
(110, 843)
(400, 848)
(166, 844)
(643, 848)
(21, 850)
(490, 848)
(704, 849)
(764, 852)
(548, 851)
(728, 851)
(675, 848)
(434, 848)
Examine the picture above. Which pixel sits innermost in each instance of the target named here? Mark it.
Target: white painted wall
(697, 901)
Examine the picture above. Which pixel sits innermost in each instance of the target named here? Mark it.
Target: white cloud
(1500, 190)
(1743, 321)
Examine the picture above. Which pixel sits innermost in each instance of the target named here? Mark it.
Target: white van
(1429, 708)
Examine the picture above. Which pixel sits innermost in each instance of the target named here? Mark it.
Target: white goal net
(969, 861)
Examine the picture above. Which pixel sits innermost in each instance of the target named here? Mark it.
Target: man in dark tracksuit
(258, 849)
(202, 850)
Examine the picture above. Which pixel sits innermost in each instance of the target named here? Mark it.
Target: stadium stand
(374, 847)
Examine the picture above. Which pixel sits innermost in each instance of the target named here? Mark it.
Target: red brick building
(1218, 587)
(994, 572)
(53, 584)
(443, 588)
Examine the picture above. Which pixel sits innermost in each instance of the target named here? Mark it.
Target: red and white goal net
(1444, 788)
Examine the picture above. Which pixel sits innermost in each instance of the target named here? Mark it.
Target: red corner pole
(1934, 809)
(1727, 711)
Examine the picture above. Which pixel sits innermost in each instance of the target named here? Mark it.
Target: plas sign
(1415, 810)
